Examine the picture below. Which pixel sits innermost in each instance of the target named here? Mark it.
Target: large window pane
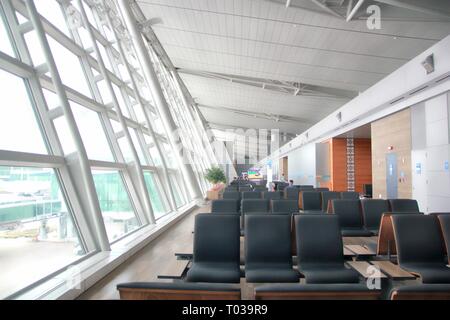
(158, 206)
(179, 197)
(51, 10)
(115, 204)
(37, 234)
(5, 44)
(69, 67)
(19, 130)
(91, 130)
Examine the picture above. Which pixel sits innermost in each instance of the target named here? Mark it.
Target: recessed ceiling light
(395, 38)
(294, 25)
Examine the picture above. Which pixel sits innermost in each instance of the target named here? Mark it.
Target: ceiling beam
(285, 87)
(326, 8)
(354, 10)
(413, 7)
(260, 115)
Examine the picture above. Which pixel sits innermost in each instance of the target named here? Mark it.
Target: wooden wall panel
(395, 131)
(363, 163)
(339, 164)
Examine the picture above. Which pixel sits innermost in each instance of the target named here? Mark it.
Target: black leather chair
(260, 188)
(333, 291)
(245, 189)
(320, 253)
(444, 221)
(268, 249)
(236, 195)
(291, 193)
(421, 292)
(420, 248)
(284, 206)
(178, 291)
(231, 188)
(255, 205)
(373, 210)
(327, 196)
(251, 195)
(350, 195)
(271, 195)
(367, 190)
(403, 205)
(304, 187)
(350, 218)
(311, 201)
(321, 189)
(225, 206)
(216, 249)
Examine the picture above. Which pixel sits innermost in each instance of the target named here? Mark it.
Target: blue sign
(446, 165)
(418, 168)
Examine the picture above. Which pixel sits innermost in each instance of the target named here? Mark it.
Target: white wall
(302, 165)
(431, 154)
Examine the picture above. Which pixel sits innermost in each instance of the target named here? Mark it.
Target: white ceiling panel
(302, 44)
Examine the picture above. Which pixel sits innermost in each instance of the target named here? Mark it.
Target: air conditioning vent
(397, 100)
(418, 90)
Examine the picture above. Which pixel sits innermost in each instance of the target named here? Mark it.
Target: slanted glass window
(178, 194)
(37, 233)
(159, 208)
(126, 149)
(170, 160)
(69, 67)
(34, 47)
(5, 43)
(92, 133)
(117, 210)
(52, 11)
(19, 130)
(137, 146)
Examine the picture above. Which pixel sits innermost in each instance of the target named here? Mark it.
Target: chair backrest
(245, 189)
(178, 291)
(372, 210)
(349, 213)
(444, 221)
(326, 197)
(271, 195)
(350, 195)
(251, 195)
(225, 206)
(311, 200)
(418, 238)
(321, 189)
(255, 205)
(291, 193)
(231, 188)
(267, 239)
(217, 238)
(284, 206)
(236, 195)
(304, 187)
(367, 190)
(260, 188)
(386, 239)
(403, 205)
(318, 239)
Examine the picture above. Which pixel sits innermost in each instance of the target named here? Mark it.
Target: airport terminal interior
(224, 149)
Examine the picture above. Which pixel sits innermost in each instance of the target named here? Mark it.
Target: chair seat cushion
(271, 274)
(329, 274)
(214, 272)
(430, 272)
(356, 233)
(180, 286)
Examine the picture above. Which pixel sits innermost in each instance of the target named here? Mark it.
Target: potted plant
(216, 176)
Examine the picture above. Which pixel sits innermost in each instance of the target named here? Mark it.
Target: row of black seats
(358, 218)
(245, 188)
(268, 252)
(361, 218)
